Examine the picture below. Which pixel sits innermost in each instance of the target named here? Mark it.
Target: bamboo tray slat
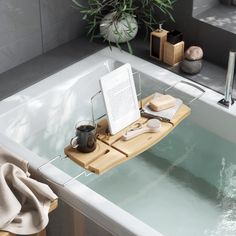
(110, 139)
(143, 142)
(112, 150)
(103, 158)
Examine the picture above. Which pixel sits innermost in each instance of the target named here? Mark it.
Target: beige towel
(24, 202)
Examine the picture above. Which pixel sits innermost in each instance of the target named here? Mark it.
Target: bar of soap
(162, 102)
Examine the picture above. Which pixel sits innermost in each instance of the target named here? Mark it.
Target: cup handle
(74, 142)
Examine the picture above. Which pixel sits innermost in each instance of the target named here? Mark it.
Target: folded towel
(24, 202)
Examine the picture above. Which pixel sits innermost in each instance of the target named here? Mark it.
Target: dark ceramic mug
(85, 139)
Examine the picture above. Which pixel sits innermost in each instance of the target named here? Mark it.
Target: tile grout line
(41, 26)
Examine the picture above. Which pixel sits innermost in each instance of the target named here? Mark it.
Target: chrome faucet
(227, 101)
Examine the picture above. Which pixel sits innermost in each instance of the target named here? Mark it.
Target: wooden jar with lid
(173, 48)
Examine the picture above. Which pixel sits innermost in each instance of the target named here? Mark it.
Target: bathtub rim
(210, 97)
(122, 222)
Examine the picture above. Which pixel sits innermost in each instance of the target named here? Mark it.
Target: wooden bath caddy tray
(112, 150)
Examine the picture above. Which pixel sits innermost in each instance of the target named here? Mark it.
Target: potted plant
(117, 21)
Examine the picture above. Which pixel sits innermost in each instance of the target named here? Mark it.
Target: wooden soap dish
(112, 150)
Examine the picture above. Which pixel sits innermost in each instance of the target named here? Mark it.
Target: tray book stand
(112, 150)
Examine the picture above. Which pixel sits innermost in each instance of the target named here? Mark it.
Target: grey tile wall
(29, 28)
(20, 32)
(60, 22)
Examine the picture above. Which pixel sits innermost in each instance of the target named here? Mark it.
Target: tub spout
(227, 101)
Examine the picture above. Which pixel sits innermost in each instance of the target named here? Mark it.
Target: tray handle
(85, 172)
(190, 84)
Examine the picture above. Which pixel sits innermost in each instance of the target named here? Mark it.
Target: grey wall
(30, 27)
(215, 42)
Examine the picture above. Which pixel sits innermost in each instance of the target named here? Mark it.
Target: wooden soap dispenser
(157, 40)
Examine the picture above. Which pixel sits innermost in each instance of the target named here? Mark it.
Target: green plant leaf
(146, 13)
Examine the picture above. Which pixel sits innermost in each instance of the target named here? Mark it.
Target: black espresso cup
(85, 139)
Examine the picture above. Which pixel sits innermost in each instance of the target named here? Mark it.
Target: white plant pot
(118, 31)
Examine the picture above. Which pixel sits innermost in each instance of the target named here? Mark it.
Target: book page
(121, 100)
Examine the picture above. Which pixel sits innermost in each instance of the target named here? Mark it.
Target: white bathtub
(32, 115)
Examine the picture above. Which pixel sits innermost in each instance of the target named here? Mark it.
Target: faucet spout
(227, 101)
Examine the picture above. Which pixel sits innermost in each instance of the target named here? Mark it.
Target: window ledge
(221, 16)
